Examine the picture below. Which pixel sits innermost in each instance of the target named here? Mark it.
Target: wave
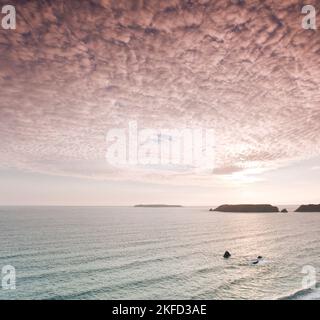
(304, 294)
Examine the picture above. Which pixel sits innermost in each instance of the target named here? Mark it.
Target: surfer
(259, 258)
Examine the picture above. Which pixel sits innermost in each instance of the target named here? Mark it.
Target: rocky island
(309, 208)
(157, 206)
(247, 208)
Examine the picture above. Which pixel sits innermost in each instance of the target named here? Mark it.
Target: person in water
(227, 255)
(259, 258)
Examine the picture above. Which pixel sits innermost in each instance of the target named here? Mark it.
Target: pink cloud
(244, 68)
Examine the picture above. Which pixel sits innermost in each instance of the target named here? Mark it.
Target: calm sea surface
(156, 253)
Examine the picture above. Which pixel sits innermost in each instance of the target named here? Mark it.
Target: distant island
(247, 208)
(157, 206)
(309, 208)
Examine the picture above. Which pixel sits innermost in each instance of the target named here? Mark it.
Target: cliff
(309, 208)
(247, 208)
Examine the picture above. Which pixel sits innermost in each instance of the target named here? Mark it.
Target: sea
(75, 253)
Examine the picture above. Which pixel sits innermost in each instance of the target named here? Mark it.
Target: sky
(74, 74)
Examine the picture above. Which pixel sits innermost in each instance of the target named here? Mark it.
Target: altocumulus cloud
(74, 69)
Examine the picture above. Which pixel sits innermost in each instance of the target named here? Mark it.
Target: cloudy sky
(74, 70)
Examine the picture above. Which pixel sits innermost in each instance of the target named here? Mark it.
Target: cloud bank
(75, 69)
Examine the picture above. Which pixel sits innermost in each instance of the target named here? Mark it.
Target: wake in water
(254, 262)
(304, 294)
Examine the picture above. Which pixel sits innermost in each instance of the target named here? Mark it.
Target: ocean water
(157, 253)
